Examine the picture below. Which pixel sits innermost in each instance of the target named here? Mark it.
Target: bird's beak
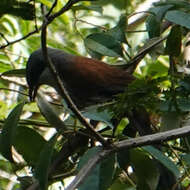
(32, 93)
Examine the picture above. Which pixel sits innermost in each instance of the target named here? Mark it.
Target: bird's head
(38, 73)
(88, 81)
(35, 67)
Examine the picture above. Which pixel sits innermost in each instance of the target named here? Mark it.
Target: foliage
(44, 142)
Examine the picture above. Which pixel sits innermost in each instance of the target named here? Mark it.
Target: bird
(87, 80)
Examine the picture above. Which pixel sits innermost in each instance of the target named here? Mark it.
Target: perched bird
(88, 81)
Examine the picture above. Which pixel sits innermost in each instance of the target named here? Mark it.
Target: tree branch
(20, 39)
(64, 92)
(123, 145)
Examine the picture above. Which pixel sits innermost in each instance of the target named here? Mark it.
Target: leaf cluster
(158, 100)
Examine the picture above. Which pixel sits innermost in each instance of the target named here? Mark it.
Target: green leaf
(90, 153)
(186, 158)
(29, 143)
(122, 185)
(4, 67)
(101, 176)
(17, 8)
(177, 4)
(41, 170)
(98, 115)
(96, 8)
(184, 104)
(145, 169)
(103, 44)
(9, 131)
(160, 11)
(163, 159)
(123, 158)
(45, 2)
(173, 43)
(121, 126)
(6, 166)
(155, 70)
(15, 73)
(118, 32)
(179, 17)
(170, 120)
(49, 113)
(9, 25)
(106, 173)
(153, 26)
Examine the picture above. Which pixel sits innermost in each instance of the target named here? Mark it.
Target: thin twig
(132, 64)
(51, 9)
(19, 39)
(64, 93)
(67, 6)
(2, 35)
(12, 90)
(92, 24)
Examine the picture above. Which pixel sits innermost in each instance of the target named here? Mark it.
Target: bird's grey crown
(36, 65)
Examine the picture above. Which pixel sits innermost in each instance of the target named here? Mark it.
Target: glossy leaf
(103, 44)
(171, 120)
(29, 144)
(15, 73)
(98, 115)
(160, 11)
(145, 169)
(9, 131)
(101, 176)
(173, 43)
(121, 126)
(118, 32)
(179, 17)
(49, 113)
(163, 159)
(177, 4)
(41, 170)
(153, 26)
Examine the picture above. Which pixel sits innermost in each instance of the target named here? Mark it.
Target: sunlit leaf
(15, 73)
(121, 126)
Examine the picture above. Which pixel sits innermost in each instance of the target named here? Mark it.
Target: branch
(73, 144)
(68, 5)
(64, 92)
(123, 145)
(20, 39)
(12, 90)
(132, 64)
(52, 7)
